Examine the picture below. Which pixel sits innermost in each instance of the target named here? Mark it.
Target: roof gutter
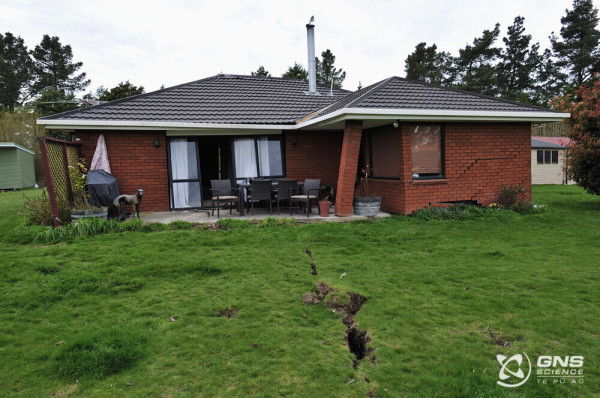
(337, 116)
(432, 115)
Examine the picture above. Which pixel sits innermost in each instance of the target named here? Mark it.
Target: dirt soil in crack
(348, 304)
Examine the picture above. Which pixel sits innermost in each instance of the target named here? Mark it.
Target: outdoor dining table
(246, 185)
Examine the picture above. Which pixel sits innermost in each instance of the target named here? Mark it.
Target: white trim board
(433, 115)
(334, 117)
(13, 145)
(71, 124)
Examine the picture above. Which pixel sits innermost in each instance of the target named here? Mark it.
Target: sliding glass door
(195, 161)
(186, 188)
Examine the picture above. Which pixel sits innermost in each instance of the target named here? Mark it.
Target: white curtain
(245, 157)
(100, 159)
(263, 156)
(180, 171)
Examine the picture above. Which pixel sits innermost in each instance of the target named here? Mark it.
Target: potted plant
(366, 205)
(325, 204)
(81, 205)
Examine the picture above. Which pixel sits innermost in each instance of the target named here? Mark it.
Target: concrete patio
(203, 216)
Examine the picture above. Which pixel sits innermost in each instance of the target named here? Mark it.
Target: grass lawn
(444, 298)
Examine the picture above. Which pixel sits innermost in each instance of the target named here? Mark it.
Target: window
(427, 151)
(381, 152)
(547, 157)
(267, 150)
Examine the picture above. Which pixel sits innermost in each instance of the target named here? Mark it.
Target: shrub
(513, 198)
(511, 195)
(101, 354)
(79, 186)
(37, 210)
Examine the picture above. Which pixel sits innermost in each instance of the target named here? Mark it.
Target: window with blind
(427, 151)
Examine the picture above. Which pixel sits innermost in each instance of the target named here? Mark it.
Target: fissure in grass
(346, 303)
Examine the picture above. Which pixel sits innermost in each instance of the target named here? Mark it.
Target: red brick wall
(315, 155)
(135, 163)
(348, 165)
(480, 158)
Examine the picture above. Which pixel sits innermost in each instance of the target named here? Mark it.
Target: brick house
(426, 144)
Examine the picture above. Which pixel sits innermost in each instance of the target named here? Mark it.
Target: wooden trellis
(57, 156)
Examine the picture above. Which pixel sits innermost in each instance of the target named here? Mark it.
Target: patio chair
(285, 188)
(260, 190)
(310, 191)
(221, 191)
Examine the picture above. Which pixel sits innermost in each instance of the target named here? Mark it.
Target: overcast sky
(151, 43)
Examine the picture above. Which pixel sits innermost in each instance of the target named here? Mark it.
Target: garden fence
(57, 156)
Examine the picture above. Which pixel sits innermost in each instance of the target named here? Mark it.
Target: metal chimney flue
(312, 73)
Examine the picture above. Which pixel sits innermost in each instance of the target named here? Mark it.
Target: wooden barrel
(367, 206)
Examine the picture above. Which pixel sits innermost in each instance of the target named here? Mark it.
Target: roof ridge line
(364, 95)
(233, 75)
(370, 92)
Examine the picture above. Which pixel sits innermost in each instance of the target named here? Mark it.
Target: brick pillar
(348, 164)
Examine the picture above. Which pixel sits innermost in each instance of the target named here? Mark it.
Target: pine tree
(15, 71)
(518, 64)
(326, 71)
(261, 72)
(53, 100)
(54, 67)
(578, 54)
(122, 90)
(474, 68)
(547, 82)
(296, 72)
(428, 65)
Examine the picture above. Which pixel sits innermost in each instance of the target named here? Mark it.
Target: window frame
(172, 181)
(547, 153)
(368, 137)
(270, 137)
(540, 156)
(442, 175)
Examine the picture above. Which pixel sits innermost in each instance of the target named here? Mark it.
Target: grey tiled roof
(539, 144)
(218, 99)
(234, 99)
(400, 93)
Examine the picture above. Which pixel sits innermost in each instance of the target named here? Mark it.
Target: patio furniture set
(267, 190)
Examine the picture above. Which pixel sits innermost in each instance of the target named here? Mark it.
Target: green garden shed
(16, 166)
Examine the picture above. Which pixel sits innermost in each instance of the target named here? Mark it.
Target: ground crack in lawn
(313, 267)
(347, 304)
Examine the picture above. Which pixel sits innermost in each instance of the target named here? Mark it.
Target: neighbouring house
(17, 168)
(426, 144)
(548, 156)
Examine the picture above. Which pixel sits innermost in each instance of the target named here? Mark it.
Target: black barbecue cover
(103, 187)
